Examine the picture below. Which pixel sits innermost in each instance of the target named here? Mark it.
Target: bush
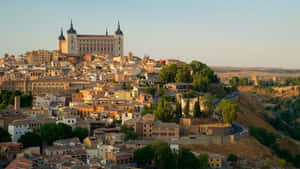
(232, 158)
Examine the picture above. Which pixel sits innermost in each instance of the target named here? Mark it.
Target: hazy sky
(217, 32)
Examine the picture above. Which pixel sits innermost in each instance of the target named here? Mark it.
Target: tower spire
(106, 33)
(71, 30)
(118, 24)
(61, 36)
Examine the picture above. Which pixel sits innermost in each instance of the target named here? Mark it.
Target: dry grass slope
(246, 148)
(252, 112)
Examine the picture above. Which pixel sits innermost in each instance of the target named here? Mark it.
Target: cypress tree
(187, 107)
(197, 112)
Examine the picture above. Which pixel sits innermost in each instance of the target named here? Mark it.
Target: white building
(129, 115)
(17, 128)
(102, 148)
(69, 120)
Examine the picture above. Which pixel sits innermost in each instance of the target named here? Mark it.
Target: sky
(243, 33)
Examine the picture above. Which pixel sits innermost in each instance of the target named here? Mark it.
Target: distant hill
(220, 69)
(226, 73)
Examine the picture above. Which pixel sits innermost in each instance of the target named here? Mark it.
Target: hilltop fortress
(74, 44)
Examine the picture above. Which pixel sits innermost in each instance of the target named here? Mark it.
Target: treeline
(269, 139)
(197, 73)
(239, 81)
(8, 98)
(161, 156)
(291, 81)
(50, 132)
(279, 124)
(288, 113)
(244, 81)
(165, 112)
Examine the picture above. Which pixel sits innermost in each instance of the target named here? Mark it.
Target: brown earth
(252, 112)
(283, 92)
(245, 148)
(290, 144)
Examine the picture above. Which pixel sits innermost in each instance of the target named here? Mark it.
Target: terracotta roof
(11, 144)
(20, 164)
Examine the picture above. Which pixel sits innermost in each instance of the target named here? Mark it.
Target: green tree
(168, 73)
(244, 81)
(263, 136)
(234, 81)
(161, 91)
(144, 156)
(229, 110)
(129, 133)
(178, 111)
(190, 94)
(282, 163)
(267, 163)
(208, 104)
(187, 160)
(186, 109)
(26, 100)
(4, 135)
(164, 158)
(197, 66)
(183, 75)
(200, 82)
(197, 111)
(80, 132)
(48, 132)
(30, 139)
(232, 158)
(146, 110)
(203, 160)
(163, 111)
(150, 90)
(63, 131)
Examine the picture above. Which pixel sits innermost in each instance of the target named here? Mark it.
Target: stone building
(203, 127)
(82, 44)
(148, 127)
(39, 57)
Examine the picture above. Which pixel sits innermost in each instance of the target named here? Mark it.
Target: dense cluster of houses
(94, 94)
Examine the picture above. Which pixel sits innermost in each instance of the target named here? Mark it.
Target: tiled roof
(20, 164)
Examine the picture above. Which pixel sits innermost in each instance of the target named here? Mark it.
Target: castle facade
(74, 44)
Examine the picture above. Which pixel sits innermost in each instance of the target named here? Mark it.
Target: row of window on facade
(96, 41)
(96, 49)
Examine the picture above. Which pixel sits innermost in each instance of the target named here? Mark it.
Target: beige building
(197, 126)
(148, 127)
(45, 86)
(39, 57)
(82, 44)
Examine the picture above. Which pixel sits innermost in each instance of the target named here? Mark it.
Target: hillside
(248, 148)
(290, 144)
(252, 112)
(223, 69)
